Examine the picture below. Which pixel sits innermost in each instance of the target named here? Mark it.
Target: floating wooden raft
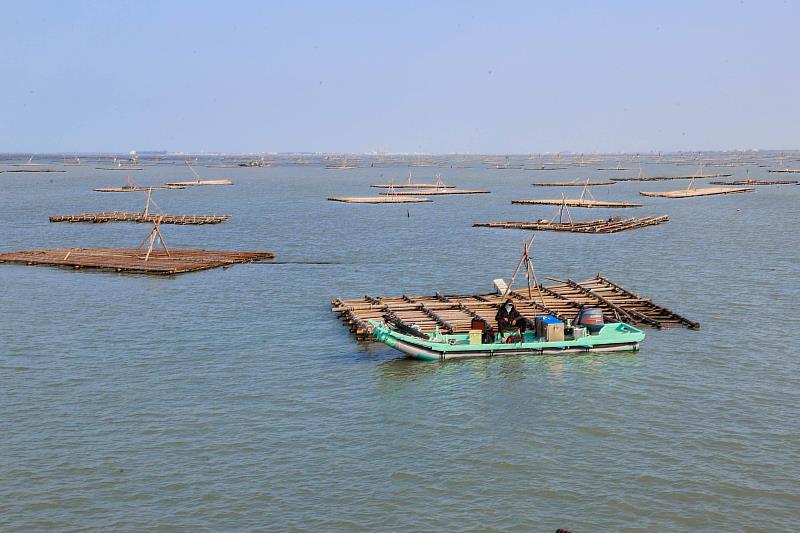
(755, 182)
(198, 183)
(455, 313)
(612, 225)
(785, 170)
(127, 216)
(667, 178)
(406, 185)
(433, 192)
(572, 183)
(378, 199)
(703, 191)
(574, 202)
(137, 188)
(33, 170)
(118, 168)
(133, 260)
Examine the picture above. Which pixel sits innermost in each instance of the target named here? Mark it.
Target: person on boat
(509, 319)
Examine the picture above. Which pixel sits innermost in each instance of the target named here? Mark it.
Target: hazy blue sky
(404, 77)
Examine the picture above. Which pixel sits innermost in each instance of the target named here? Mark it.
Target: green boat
(610, 337)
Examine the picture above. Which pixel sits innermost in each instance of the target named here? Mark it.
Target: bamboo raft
(407, 185)
(33, 170)
(433, 192)
(703, 191)
(134, 260)
(573, 202)
(378, 199)
(667, 178)
(572, 183)
(612, 225)
(454, 313)
(140, 217)
(198, 183)
(755, 182)
(138, 188)
(785, 170)
(118, 168)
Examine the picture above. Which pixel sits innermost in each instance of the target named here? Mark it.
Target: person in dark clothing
(509, 319)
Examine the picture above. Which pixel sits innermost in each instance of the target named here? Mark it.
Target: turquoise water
(234, 400)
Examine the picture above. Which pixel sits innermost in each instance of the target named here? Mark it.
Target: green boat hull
(611, 338)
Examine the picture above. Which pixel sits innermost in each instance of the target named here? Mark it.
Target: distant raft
(137, 188)
(378, 199)
(142, 218)
(135, 260)
(572, 183)
(703, 191)
(407, 185)
(612, 225)
(33, 170)
(755, 182)
(785, 170)
(198, 183)
(574, 202)
(667, 178)
(410, 184)
(434, 192)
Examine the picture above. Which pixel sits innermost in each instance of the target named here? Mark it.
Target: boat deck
(454, 313)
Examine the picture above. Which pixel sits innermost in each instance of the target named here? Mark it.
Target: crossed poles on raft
(529, 271)
(155, 237)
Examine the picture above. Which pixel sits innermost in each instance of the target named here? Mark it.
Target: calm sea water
(234, 400)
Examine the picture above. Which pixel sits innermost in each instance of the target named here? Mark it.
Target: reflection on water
(514, 367)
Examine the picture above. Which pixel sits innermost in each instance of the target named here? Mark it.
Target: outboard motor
(592, 319)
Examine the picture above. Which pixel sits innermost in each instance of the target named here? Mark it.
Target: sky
(410, 77)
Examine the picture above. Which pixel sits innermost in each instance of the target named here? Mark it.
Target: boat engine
(591, 318)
